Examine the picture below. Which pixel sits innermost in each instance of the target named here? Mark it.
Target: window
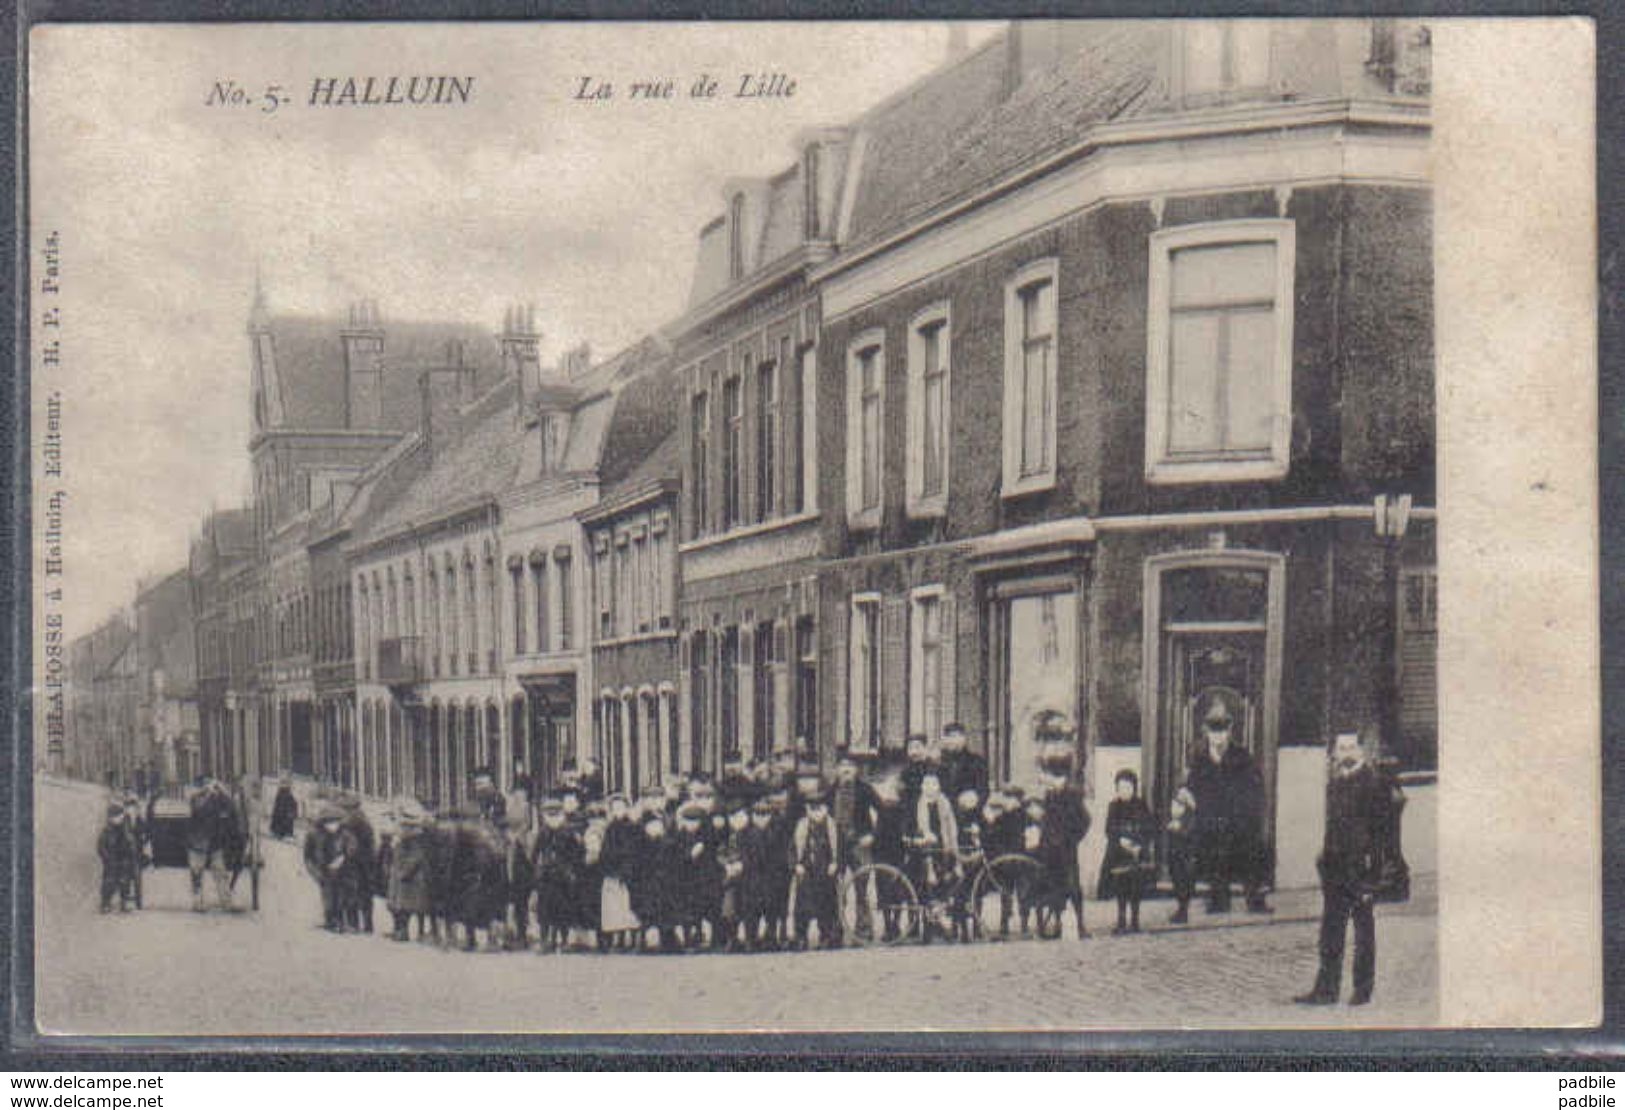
(660, 531)
(1218, 400)
(865, 377)
(538, 588)
(471, 614)
(1222, 57)
(454, 644)
(561, 561)
(434, 621)
(925, 670)
(767, 438)
(728, 693)
(863, 723)
(699, 464)
(411, 597)
(807, 472)
(642, 580)
(625, 587)
(1030, 379)
(806, 722)
(928, 412)
(733, 453)
(762, 688)
(699, 691)
(516, 571)
(602, 588)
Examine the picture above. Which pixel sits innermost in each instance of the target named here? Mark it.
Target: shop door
(1037, 671)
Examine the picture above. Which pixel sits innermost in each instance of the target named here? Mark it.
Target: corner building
(1112, 376)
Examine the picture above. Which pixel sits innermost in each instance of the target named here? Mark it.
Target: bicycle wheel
(1006, 894)
(879, 906)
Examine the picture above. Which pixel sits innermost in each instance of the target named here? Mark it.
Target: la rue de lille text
(751, 86)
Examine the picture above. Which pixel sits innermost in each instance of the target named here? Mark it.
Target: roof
(645, 417)
(479, 461)
(957, 131)
(164, 629)
(308, 352)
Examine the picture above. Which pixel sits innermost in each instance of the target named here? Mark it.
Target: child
(970, 849)
(758, 875)
(1032, 841)
(738, 818)
(1066, 823)
(409, 876)
(617, 855)
(115, 846)
(817, 860)
(1181, 853)
(1130, 830)
(556, 862)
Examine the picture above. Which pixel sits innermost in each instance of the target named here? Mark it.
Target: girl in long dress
(617, 855)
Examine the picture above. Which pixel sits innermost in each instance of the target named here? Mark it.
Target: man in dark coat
(1229, 816)
(698, 875)
(212, 836)
(1065, 824)
(364, 865)
(1358, 802)
(325, 861)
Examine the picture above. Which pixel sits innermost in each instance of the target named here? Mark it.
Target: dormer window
(736, 237)
(1219, 59)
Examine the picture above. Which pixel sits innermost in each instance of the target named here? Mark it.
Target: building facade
(1113, 380)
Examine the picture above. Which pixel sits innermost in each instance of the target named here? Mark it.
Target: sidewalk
(1299, 904)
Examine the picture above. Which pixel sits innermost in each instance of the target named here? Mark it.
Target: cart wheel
(879, 906)
(1005, 893)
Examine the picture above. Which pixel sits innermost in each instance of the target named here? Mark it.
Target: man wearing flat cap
(1228, 792)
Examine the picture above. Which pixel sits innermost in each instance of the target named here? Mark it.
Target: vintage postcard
(812, 527)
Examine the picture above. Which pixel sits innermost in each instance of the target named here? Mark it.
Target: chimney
(520, 345)
(363, 366)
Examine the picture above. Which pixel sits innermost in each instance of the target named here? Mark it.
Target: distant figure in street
(1229, 794)
(325, 861)
(1130, 832)
(1358, 802)
(361, 878)
(409, 874)
(116, 848)
(284, 810)
(557, 860)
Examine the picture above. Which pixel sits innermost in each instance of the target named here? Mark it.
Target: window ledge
(746, 531)
(1166, 472)
(636, 638)
(1033, 483)
(866, 521)
(928, 508)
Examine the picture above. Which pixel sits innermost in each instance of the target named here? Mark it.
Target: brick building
(1112, 372)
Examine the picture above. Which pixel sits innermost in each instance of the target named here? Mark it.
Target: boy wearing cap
(114, 847)
(817, 862)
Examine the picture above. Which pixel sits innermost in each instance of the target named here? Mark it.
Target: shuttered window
(863, 674)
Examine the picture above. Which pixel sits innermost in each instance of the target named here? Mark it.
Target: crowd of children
(752, 860)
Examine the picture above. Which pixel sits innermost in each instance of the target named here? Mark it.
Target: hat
(115, 810)
(1015, 791)
(551, 805)
(762, 805)
(691, 812)
(617, 796)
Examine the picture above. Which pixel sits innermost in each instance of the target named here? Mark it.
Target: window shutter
(854, 437)
(893, 671)
(948, 677)
(837, 663)
(745, 690)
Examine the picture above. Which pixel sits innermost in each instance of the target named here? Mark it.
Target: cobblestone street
(166, 970)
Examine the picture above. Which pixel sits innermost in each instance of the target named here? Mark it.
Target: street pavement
(166, 970)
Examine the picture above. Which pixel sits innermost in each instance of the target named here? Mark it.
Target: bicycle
(972, 898)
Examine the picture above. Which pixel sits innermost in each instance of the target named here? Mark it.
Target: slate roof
(956, 132)
(479, 461)
(309, 355)
(645, 416)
